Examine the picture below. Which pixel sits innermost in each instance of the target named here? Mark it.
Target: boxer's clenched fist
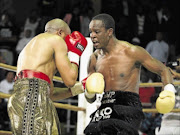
(76, 44)
(93, 84)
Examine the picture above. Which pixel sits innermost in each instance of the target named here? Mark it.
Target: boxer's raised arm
(74, 45)
(67, 70)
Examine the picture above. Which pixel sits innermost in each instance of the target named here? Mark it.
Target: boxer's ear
(59, 32)
(110, 31)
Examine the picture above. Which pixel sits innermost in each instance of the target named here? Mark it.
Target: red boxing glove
(76, 44)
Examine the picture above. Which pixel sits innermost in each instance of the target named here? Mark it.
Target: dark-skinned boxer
(120, 63)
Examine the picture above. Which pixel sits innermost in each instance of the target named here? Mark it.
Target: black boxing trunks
(30, 109)
(120, 113)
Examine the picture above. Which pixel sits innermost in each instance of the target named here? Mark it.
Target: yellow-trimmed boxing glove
(166, 100)
(93, 84)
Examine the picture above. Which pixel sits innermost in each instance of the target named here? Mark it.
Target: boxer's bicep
(149, 62)
(60, 56)
(67, 70)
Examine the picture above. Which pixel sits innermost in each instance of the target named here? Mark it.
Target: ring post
(83, 117)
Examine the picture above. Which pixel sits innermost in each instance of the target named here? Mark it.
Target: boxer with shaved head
(30, 107)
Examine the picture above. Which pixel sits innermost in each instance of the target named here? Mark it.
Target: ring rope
(75, 108)
(59, 79)
(13, 68)
(153, 110)
(58, 105)
(156, 84)
(2, 132)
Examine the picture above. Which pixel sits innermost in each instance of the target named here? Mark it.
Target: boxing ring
(77, 108)
(84, 109)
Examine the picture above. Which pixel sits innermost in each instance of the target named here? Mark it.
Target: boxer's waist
(32, 74)
(121, 98)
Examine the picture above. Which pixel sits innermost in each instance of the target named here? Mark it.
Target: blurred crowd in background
(152, 24)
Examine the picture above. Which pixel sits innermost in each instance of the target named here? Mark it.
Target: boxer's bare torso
(120, 61)
(48, 53)
(39, 55)
(121, 66)
(120, 70)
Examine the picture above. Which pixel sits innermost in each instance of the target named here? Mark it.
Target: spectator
(6, 86)
(8, 55)
(135, 41)
(86, 16)
(139, 23)
(86, 13)
(7, 6)
(140, 16)
(32, 22)
(159, 12)
(74, 19)
(8, 38)
(5, 20)
(166, 21)
(158, 49)
(24, 40)
(8, 31)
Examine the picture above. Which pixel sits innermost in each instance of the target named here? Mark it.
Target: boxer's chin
(96, 45)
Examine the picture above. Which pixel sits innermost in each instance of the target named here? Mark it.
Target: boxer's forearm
(60, 93)
(166, 76)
